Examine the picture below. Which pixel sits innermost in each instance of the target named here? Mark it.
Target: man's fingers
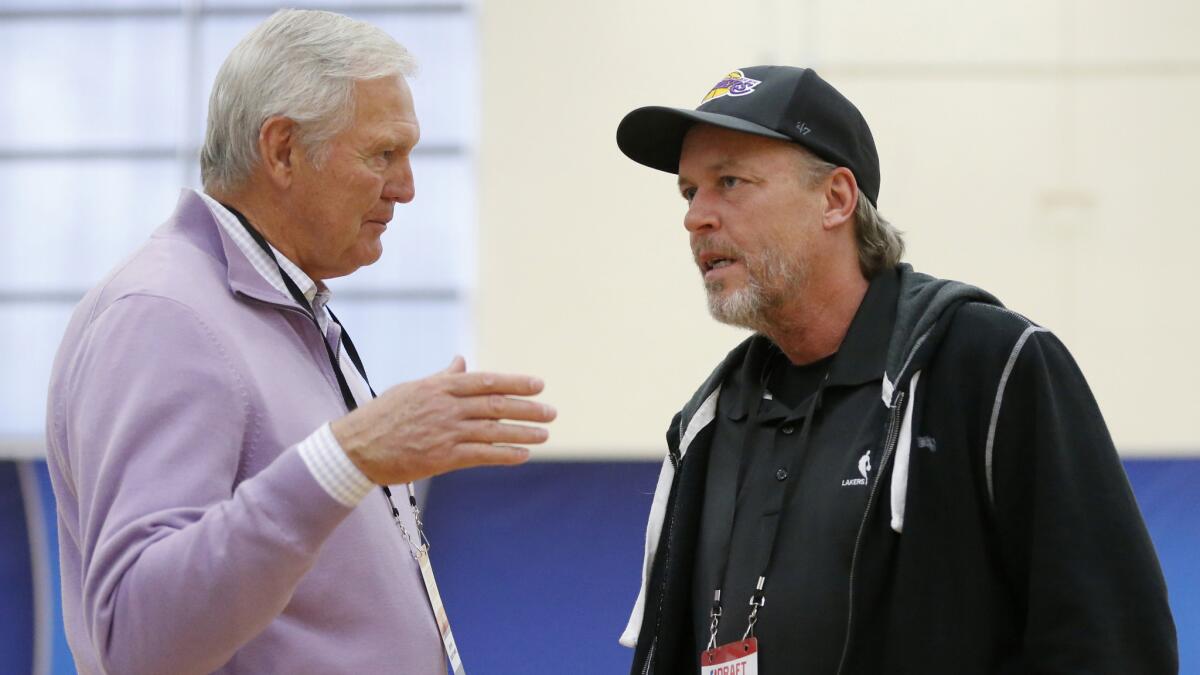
(487, 431)
(474, 384)
(497, 407)
(480, 454)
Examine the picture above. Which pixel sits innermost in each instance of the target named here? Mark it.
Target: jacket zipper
(893, 435)
(650, 654)
(676, 460)
(662, 592)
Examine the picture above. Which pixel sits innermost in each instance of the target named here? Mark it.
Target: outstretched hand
(450, 420)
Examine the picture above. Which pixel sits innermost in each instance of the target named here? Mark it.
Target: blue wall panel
(539, 564)
(1168, 492)
(58, 653)
(544, 560)
(16, 583)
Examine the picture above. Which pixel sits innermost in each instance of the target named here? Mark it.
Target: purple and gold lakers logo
(734, 84)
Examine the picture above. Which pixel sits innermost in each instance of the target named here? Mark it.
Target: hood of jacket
(925, 307)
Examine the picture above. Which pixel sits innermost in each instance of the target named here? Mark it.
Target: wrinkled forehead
(384, 107)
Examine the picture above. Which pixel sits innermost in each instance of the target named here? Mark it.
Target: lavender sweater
(193, 538)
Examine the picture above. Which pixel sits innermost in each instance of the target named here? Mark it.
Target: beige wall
(1037, 149)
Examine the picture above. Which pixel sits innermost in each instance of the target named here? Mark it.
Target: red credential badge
(735, 658)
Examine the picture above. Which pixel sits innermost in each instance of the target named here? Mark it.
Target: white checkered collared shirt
(321, 452)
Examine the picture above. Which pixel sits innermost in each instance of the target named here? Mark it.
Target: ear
(841, 198)
(278, 148)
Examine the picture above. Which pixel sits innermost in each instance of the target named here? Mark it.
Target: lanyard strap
(419, 545)
(775, 505)
(419, 542)
(343, 385)
(307, 308)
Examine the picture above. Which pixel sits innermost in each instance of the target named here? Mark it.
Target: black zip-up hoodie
(1000, 535)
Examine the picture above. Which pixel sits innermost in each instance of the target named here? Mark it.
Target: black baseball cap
(784, 102)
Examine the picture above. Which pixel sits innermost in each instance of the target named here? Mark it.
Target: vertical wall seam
(35, 526)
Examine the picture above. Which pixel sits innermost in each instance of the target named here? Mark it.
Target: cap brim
(654, 135)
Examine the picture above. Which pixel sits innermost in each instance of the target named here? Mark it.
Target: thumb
(457, 365)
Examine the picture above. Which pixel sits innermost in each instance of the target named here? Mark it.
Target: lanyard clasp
(757, 600)
(714, 616)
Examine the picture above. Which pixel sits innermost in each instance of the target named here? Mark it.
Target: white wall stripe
(35, 524)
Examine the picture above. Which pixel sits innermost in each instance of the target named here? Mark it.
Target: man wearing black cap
(894, 474)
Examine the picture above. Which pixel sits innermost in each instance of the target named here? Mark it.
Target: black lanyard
(307, 308)
(351, 351)
(776, 504)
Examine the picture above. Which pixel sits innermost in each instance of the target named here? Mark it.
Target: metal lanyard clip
(419, 545)
(757, 600)
(714, 620)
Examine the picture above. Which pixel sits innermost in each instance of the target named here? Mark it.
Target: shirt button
(788, 429)
(781, 474)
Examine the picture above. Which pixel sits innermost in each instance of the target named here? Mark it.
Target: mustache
(721, 249)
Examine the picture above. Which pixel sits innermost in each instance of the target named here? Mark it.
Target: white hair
(300, 64)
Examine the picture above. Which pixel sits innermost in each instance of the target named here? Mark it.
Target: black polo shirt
(801, 628)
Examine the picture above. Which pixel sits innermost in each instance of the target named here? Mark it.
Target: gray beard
(745, 307)
(769, 281)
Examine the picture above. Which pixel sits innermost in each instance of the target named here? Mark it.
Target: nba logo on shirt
(864, 468)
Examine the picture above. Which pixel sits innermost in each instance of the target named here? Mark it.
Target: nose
(701, 214)
(400, 186)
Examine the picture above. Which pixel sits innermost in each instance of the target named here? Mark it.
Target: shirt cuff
(332, 469)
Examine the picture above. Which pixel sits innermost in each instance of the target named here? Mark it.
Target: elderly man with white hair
(220, 461)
